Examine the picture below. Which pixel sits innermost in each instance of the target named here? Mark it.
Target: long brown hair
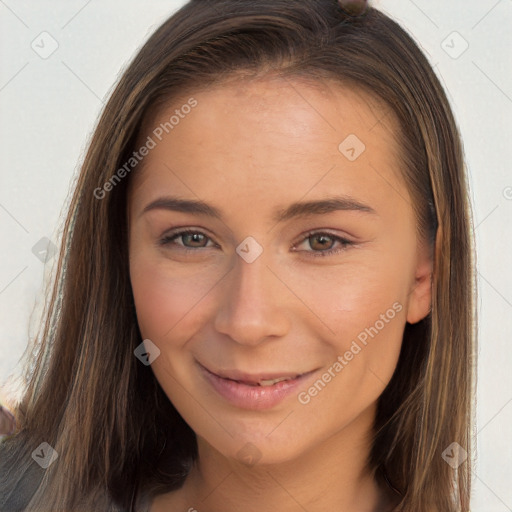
(104, 412)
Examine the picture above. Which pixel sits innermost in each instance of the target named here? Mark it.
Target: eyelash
(167, 239)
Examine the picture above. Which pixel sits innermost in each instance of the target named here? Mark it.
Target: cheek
(373, 322)
(172, 298)
(368, 322)
(349, 297)
(360, 310)
(163, 299)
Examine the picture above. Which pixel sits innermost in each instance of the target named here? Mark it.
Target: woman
(198, 354)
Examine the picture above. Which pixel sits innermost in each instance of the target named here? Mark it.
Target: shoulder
(19, 479)
(174, 500)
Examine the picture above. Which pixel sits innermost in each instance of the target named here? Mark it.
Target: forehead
(271, 133)
(317, 103)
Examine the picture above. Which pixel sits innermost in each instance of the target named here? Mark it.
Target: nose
(252, 307)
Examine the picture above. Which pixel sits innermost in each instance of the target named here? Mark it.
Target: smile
(254, 391)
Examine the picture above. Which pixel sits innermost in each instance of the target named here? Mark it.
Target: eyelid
(345, 242)
(313, 232)
(169, 236)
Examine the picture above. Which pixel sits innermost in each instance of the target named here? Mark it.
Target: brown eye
(189, 240)
(196, 239)
(323, 244)
(321, 241)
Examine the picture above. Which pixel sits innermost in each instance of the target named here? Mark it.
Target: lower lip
(253, 397)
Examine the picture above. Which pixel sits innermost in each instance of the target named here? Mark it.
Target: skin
(250, 151)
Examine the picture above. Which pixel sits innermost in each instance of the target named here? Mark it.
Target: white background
(49, 108)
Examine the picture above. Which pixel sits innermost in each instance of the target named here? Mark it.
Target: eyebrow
(298, 209)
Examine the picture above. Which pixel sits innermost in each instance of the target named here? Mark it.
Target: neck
(329, 476)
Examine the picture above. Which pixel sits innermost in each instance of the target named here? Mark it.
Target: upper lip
(253, 378)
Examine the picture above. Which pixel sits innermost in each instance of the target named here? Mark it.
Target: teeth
(265, 382)
(271, 382)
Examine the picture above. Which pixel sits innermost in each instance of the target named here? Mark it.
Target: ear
(420, 293)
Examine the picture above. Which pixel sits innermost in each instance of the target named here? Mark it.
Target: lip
(247, 396)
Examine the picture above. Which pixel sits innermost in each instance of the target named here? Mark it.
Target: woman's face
(302, 263)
